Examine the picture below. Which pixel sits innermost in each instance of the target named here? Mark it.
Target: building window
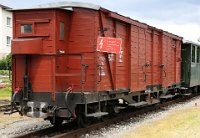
(8, 40)
(62, 31)
(26, 28)
(193, 53)
(8, 21)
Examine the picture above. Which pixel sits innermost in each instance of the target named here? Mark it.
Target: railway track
(5, 105)
(70, 130)
(5, 108)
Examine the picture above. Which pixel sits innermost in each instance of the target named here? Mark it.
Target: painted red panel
(17, 71)
(27, 46)
(41, 73)
(146, 57)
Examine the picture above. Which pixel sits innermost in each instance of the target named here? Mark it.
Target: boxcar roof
(190, 42)
(70, 5)
(64, 5)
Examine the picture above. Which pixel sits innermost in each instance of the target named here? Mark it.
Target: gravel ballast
(180, 120)
(14, 125)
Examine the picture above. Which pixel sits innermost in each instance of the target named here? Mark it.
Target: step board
(121, 107)
(187, 94)
(183, 88)
(167, 97)
(97, 114)
(154, 101)
(139, 104)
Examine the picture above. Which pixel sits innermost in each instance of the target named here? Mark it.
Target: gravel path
(180, 120)
(13, 125)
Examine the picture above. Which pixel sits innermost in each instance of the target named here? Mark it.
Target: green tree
(9, 60)
(5, 62)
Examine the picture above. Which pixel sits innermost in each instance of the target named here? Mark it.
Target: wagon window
(193, 53)
(62, 31)
(198, 54)
(26, 28)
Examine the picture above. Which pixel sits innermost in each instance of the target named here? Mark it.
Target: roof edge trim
(69, 4)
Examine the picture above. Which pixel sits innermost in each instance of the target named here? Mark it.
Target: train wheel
(57, 122)
(113, 110)
(83, 121)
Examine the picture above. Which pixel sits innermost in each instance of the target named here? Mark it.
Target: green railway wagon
(190, 67)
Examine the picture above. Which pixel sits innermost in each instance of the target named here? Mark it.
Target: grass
(4, 72)
(183, 123)
(5, 92)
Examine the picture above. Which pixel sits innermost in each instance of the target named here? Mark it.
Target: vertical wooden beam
(152, 48)
(161, 57)
(175, 59)
(106, 54)
(53, 58)
(129, 55)
(115, 60)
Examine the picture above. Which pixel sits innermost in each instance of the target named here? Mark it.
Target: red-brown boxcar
(58, 72)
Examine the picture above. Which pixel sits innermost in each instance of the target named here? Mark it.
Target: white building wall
(1, 32)
(5, 31)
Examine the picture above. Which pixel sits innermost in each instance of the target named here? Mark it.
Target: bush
(9, 60)
(5, 62)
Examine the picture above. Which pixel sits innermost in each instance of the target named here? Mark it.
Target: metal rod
(26, 85)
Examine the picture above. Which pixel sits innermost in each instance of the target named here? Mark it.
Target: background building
(5, 30)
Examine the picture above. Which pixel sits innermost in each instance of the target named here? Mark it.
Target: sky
(181, 17)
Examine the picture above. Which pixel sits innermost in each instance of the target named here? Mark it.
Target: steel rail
(5, 107)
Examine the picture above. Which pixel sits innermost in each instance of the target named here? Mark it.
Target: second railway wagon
(190, 70)
(59, 72)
